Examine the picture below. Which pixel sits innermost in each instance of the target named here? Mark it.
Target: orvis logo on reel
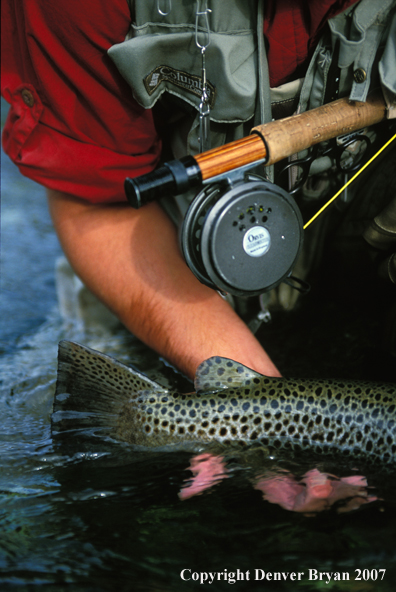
(257, 241)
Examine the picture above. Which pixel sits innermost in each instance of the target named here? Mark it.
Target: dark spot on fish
(253, 436)
(300, 406)
(244, 429)
(333, 408)
(191, 428)
(263, 400)
(229, 364)
(156, 421)
(244, 419)
(147, 428)
(246, 406)
(165, 423)
(239, 369)
(183, 412)
(192, 413)
(181, 430)
(369, 446)
(274, 404)
(256, 409)
(358, 390)
(212, 402)
(291, 429)
(364, 403)
(212, 431)
(223, 431)
(215, 420)
(235, 417)
(257, 420)
(317, 437)
(256, 380)
(278, 427)
(318, 419)
(234, 431)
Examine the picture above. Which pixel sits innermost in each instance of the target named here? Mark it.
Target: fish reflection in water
(314, 492)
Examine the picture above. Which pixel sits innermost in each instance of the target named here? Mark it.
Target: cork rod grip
(298, 132)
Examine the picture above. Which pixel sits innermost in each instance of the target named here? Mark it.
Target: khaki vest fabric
(160, 57)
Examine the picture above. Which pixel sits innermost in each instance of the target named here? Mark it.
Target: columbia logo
(154, 79)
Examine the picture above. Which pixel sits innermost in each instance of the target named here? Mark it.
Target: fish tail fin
(92, 389)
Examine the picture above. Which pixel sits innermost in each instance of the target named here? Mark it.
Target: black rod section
(173, 178)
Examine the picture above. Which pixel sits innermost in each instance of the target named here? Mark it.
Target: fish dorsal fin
(221, 373)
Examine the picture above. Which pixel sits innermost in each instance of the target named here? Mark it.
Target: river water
(91, 515)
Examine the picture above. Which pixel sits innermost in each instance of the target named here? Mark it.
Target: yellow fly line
(349, 182)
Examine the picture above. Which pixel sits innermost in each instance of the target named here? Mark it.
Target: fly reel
(242, 238)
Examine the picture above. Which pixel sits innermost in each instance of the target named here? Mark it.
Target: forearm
(131, 261)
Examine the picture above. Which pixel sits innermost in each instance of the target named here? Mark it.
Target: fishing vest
(160, 59)
(162, 64)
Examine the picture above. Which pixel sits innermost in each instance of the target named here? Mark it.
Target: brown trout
(231, 404)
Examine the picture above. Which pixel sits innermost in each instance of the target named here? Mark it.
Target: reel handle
(173, 178)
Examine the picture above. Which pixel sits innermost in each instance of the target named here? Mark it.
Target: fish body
(232, 404)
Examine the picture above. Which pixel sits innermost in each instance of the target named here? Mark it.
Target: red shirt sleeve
(73, 124)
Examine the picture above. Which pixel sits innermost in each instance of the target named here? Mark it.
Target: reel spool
(242, 238)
